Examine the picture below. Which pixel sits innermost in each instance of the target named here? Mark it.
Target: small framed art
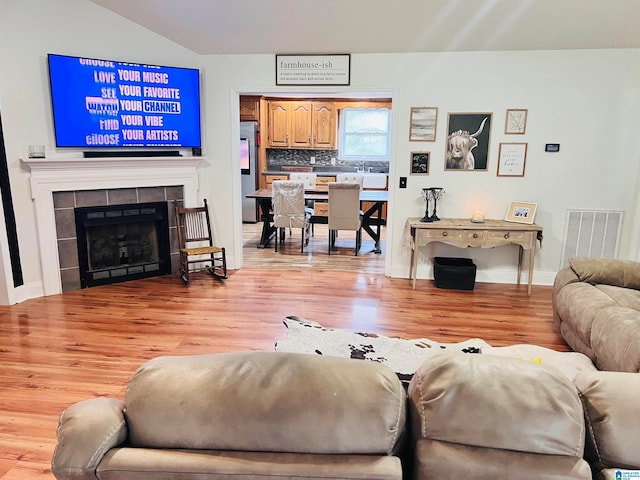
(419, 163)
(512, 158)
(521, 212)
(423, 124)
(516, 121)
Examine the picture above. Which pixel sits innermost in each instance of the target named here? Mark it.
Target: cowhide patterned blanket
(402, 356)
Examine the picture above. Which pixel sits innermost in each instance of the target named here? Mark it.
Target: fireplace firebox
(117, 243)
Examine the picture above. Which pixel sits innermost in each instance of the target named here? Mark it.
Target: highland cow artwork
(468, 137)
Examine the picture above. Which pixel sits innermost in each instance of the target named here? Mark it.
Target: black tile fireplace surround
(117, 243)
(65, 203)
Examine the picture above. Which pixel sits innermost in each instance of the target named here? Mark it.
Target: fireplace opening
(117, 243)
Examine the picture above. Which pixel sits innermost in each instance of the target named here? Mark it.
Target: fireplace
(117, 243)
(60, 184)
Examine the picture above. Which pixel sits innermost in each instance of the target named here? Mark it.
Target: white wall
(29, 30)
(584, 100)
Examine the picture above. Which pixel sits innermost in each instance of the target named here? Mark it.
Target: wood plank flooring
(60, 349)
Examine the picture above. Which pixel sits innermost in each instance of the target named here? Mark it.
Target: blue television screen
(103, 103)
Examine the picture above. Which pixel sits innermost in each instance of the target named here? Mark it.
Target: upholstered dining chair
(309, 181)
(307, 178)
(344, 211)
(349, 177)
(289, 211)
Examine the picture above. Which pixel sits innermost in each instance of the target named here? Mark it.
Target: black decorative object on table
(425, 196)
(435, 194)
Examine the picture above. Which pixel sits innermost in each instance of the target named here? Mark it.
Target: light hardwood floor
(60, 349)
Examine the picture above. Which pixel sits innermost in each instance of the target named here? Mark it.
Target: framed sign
(422, 124)
(511, 159)
(521, 212)
(313, 69)
(419, 163)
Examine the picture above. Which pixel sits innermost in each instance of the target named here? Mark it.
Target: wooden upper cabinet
(301, 117)
(324, 124)
(249, 109)
(278, 127)
(302, 124)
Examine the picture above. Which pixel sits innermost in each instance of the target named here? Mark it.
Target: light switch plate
(333, 160)
(403, 182)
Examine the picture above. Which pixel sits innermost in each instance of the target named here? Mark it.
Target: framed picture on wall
(420, 163)
(468, 137)
(515, 122)
(521, 212)
(423, 124)
(512, 158)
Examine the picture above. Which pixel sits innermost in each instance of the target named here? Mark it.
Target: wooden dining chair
(289, 211)
(196, 244)
(344, 212)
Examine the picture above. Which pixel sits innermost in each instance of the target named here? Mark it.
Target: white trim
(50, 175)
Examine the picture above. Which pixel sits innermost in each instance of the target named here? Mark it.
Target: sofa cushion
(625, 297)
(498, 403)
(155, 464)
(567, 363)
(609, 271)
(266, 401)
(615, 337)
(613, 424)
(577, 304)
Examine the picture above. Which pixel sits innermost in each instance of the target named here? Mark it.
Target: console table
(463, 233)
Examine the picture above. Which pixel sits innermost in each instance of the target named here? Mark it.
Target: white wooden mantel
(63, 174)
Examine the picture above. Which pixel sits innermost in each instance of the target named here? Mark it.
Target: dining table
(372, 217)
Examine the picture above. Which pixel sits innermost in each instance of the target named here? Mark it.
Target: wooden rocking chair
(196, 243)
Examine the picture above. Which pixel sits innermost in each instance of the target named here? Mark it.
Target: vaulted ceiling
(385, 26)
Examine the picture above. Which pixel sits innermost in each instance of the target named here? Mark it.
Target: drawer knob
(506, 236)
(475, 235)
(444, 234)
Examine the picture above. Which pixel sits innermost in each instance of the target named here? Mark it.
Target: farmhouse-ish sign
(313, 69)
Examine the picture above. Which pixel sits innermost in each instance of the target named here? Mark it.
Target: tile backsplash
(279, 157)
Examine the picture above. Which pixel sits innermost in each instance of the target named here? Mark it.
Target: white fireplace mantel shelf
(60, 174)
(76, 173)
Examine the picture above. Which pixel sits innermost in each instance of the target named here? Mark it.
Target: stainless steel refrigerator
(249, 167)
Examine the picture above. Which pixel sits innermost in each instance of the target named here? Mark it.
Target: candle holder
(426, 195)
(435, 194)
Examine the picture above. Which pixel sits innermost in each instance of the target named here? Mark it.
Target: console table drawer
(508, 236)
(445, 234)
(475, 238)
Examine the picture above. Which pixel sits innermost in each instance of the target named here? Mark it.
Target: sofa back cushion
(496, 403)
(609, 271)
(613, 424)
(266, 401)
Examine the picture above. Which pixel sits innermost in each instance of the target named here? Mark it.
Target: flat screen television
(104, 103)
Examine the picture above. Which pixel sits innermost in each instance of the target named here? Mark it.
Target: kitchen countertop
(320, 173)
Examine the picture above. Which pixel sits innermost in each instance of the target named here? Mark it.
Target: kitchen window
(364, 134)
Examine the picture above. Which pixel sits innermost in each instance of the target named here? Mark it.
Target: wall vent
(591, 233)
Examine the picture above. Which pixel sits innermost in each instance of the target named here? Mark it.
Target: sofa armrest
(86, 431)
(607, 271)
(610, 402)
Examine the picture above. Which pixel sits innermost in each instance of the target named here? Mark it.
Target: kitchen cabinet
(310, 125)
(269, 179)
(249, 109)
